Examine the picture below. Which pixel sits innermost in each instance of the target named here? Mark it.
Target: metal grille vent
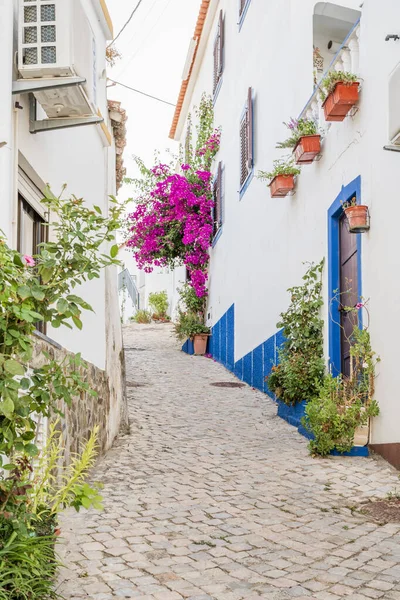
(48, 33)
(30, 14)
(48, 12)
(30, 35)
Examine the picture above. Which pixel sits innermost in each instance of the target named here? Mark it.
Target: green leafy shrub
(142, 316)
(344, 403)
(330, 81)
(39, 289)
(158, 302)
(301, 366)
(189, 299)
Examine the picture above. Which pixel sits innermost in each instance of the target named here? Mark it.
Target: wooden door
(348, 290)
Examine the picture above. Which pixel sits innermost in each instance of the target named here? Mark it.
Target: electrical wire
(143, 42)
(126, 24)
(140, 92)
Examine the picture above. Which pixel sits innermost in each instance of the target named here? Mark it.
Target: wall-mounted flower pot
(200, 343)
(281, 185)
(358, 218)
(340, 101)
(307, 149)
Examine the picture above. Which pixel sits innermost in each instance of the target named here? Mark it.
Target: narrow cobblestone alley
(212, 496)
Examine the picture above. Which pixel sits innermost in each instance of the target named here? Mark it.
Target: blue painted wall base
(254, 367)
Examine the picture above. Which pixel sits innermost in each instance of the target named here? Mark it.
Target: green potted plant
(281, 178)
(190, 325)
(304, 139)
(339, 92)
(357, 216)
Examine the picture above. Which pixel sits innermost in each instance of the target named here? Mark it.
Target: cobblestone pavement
(212, 496)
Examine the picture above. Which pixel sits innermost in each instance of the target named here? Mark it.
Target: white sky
(153, 48)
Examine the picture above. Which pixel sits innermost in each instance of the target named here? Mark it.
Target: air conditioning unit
(394, 106)
(55, 40)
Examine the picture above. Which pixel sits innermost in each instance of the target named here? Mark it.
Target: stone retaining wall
(107, 409)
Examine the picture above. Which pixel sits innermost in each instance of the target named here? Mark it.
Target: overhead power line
(126, 24)
(140, 92)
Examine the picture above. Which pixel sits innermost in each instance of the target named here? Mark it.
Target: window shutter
(250, 129)
(187, 142)
(217, 192)
(216, 66)
(243, 148)
(221, 43)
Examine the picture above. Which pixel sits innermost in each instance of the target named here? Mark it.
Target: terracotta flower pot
(281, 185)
(357, 217)
(340, 101)
(200, 343)
(306, 149)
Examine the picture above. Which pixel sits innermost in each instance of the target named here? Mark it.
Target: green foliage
(188, 325)
(27, 565)
(281, 167)
(40, 289)
(190, 300)
(301, 363)
(345, 403)
(298, 129)
(158, 302)
(330, 81)
(335, 414)
(142, 316)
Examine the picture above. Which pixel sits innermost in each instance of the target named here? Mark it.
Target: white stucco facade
(264, 241)
(82, 157)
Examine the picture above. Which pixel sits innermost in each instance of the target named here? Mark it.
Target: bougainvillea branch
(172, 223)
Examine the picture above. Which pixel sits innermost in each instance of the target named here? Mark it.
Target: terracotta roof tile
(182, 93)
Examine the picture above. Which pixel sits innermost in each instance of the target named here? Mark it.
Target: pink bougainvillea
(175, 224)
(172, 223)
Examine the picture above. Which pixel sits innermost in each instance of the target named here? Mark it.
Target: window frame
(248, 114)
(40, 235)
(243, 11)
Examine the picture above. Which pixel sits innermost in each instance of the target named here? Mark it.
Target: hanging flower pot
(358, 218)
(281, 185)
(200, 343)
(307, 149)
(342, 98)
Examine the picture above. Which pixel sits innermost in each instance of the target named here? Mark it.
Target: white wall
(264, 241)
(79, 157)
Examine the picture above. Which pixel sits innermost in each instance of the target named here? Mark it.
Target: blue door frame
(335, 211)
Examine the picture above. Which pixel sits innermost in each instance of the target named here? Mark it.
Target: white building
(267, 51)
(55, 130)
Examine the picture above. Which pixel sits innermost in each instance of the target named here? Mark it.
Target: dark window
(32, 231)
(217, 194)
(246, 139)
(348, 290)
(219, 52)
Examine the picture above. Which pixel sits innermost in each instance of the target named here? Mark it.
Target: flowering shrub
(172, 223)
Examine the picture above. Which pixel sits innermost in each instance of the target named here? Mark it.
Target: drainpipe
(6, 118)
